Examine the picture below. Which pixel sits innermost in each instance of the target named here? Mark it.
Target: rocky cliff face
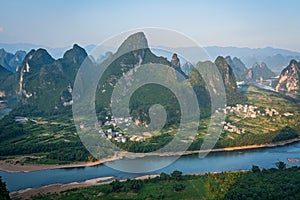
(229, 81)
(134, 42)
(259, 72)
(227, 74)
(289, 78)
(45, 84)
(232, 95)
(238, 67)
(11, 61)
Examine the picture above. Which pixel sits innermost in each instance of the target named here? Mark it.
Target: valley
(149, 100)
(38, 131)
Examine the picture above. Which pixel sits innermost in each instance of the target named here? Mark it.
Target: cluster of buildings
(116, 121)
(251, 111)
(110, 131)
(232, 128)
(118, 136)
(115, 135)
(248, 111)
(270, 112)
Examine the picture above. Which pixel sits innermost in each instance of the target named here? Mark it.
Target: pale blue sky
(243, 23)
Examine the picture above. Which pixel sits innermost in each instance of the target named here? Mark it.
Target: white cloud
(1, 29)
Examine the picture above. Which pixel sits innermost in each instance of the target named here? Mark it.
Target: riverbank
(4, 166)
(27, 193)
(8, 167)
(56, 188)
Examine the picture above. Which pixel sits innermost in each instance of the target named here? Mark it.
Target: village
(113, 133)
(243, 111)
(248, 111)
(110, 129)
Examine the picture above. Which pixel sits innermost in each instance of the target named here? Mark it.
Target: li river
(189, 164)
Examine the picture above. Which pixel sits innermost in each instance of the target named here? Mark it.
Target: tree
(136, 185)
(116, 185)
(91, 159)
(178, 187)
(163, 176)
(281, 165)
(176, 175)
(4, 194)
(255, 169)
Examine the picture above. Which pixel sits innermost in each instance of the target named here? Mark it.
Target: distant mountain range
(274, 58)
(54, 52)
(45, 84)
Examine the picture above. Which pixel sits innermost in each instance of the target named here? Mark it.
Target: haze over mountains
(42, 78)
(276, 59)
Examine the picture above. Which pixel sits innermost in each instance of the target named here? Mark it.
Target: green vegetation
(281, 183)
(7, 81)
(259, 130)
(4, 73)
(4, 194)
(151, 144)
(263, 129)
(144, 97)
(49, 142)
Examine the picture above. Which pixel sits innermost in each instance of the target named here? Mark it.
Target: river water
(189, 164)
